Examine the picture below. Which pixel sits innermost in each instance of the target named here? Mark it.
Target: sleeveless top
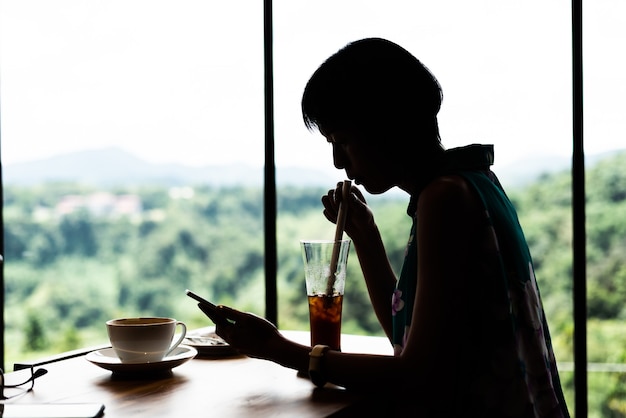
(507, 366)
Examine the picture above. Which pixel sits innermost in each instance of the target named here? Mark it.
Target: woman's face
(366, 161)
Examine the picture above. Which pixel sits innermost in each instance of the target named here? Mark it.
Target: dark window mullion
(578, 218)
(271, 298)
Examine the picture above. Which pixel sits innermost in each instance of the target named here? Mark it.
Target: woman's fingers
(331, 202)
(213, 314)
(356, 200)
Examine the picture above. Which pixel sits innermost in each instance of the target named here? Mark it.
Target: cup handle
(180, 339)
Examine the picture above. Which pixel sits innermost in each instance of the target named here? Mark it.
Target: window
(182, 82)
(150, 116)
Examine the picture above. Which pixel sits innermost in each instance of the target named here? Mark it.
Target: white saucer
(107, 359)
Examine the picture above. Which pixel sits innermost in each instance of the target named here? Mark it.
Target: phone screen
(209, 309)
(199, 298)
(67, 410)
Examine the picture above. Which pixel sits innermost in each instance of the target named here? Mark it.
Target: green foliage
(35, 333)
(66, 273)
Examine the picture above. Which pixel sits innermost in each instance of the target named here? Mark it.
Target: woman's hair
(374, 84)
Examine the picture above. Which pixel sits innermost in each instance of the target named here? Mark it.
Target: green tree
(34, 333)
(78, 234)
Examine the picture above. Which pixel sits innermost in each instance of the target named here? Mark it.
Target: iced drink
(325, 289)
(325, 320)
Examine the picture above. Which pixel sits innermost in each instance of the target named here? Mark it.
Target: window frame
(579, 255)
(270, 211)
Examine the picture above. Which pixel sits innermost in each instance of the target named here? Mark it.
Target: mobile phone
(208, 308)
(200, 299)
(52, 410)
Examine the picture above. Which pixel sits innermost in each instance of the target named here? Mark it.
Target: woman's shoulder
(449, 186)
(449, 195)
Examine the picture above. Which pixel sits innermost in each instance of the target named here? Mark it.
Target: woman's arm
(379, 276)
(449, 216)
(368, 244)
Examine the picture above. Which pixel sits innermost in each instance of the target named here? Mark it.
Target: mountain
(113, 166)
(525, 171)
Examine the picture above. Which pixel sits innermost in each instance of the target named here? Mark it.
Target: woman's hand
(359, 218)
(248, 333)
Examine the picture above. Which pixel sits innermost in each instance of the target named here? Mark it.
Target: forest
(77, 255)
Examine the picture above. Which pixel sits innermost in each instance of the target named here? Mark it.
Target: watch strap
(315, 364)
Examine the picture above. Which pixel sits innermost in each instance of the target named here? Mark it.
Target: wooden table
(235, 386)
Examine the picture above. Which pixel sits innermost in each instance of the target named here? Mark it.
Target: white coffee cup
(144, 340)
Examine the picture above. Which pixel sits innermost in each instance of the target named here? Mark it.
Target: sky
(182, 80)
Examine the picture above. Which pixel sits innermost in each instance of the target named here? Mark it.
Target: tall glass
(324, 289)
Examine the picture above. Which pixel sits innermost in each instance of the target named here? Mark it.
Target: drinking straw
(341, 222)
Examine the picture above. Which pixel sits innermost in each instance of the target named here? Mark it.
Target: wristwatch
(315, 364)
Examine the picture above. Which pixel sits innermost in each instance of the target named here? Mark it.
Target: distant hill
(523, 172)
(113, 166)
